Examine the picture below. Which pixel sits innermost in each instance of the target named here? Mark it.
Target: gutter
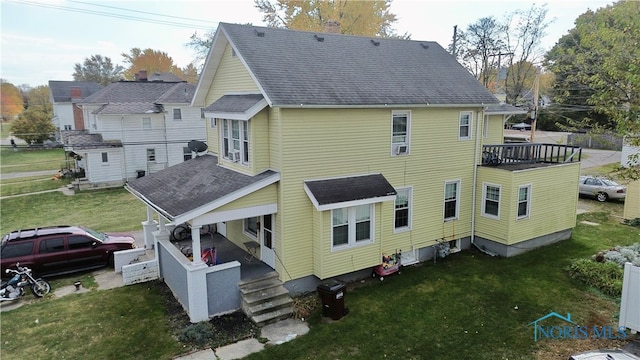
(149, 203)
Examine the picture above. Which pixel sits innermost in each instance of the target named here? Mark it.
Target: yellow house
(327, 151)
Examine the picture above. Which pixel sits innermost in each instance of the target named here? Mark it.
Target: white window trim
(153, 152)
(243, 137)
(529, 187)
(250, 234)
(146, 120)
(470, 125)
(104, 163)
(408, 227)
(173, 114)
(458, 183)
(407, 143)
(484, 200)
(352, 241)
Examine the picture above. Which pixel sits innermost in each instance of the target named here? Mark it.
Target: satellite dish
(197, 146)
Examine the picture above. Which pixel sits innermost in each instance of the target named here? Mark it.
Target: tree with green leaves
(597, 66)
(33, 126)
(366, 18)
(98, 69)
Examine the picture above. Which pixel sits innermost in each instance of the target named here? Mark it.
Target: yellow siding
(265, 196)
(259, 143)
(236, 234)
(310, 149)
(231, 76)
(632, 201)
(495, 133)
(549, 190)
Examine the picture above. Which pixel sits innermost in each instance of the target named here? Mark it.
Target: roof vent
(258, 33)
(424, 46)
(319, 38)
(375, 43)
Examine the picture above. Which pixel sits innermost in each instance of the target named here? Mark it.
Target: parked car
(601, 188)
(63, 249)
(605, 355)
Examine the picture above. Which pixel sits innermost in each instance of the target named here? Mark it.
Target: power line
(119, 16)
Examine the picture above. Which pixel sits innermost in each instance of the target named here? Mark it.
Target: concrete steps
(265, 300)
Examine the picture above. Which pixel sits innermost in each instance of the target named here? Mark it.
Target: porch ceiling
(195, 187)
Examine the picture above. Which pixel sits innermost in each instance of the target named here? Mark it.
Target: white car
(601, 188)
(605, 355)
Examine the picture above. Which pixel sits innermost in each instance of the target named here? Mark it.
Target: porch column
(195, 237)
(149, 227)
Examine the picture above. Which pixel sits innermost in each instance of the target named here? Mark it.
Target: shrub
(604, 276)
(198, 333)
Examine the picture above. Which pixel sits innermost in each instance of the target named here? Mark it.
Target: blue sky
(41, 40)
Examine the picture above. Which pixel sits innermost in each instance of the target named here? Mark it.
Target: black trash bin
(141, 173)
(332, 294)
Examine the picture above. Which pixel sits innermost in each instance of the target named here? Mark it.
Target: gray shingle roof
(235, 103)
(138, 97)
(191, 184)
(61, 90)
(332, 191)
(297, 67)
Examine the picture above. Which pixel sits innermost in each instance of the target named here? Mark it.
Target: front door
(266, 247)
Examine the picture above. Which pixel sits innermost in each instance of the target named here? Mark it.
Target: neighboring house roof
(339, 192)
(236, 107)
(61, 90)
(166, 77)
(139, 97)
(84, 140)
(504, 109)
(187, 186)
(298, 68)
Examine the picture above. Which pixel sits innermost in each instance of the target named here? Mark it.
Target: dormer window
(235, 140)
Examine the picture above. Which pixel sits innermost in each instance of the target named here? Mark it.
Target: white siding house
(65, 96)
(135, 128)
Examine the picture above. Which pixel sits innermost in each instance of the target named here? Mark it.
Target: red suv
(64, 249)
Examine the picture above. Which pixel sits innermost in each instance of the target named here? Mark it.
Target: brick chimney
(141, 75)
(76, 93)
(332, 27)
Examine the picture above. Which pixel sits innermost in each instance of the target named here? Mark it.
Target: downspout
(475, 176)
(124, 152)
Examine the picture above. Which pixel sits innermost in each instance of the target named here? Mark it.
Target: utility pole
(534, 111)
(455, 37)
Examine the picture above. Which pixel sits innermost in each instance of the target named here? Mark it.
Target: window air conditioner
(401, 149)
(234, 155)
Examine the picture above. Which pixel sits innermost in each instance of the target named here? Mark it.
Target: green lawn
(102, 210)
(31, 184)
(31, 160)
(468, 306)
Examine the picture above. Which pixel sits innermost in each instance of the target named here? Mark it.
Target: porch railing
(494, 155)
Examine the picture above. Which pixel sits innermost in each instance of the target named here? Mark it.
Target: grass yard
(468, 306)
(102, 210)
(31, 160)
(32, 184)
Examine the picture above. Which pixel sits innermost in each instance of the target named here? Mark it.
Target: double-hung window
(524, 201)
(491, 200)
(466, 118)
(451, 200)
(351, 226)
(177, 114)
(105, 158)
(235, 140)
(146, 123)
(400, 134)
(403, 209)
